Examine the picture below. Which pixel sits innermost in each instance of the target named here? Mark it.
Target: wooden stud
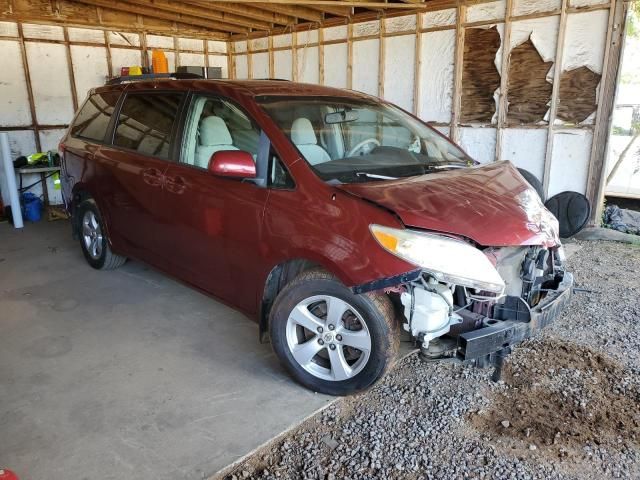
(206, 57)
(555, 93)
(381, 58)
(176, 52)
(72, 77)
(611, 71)
(321, 56)
(249, 61)
(27, 76)
(417, 66)
(504, 80)
(231, 60)
(143, 49)
(350, 56)
(458, 67)
(272, 66)
(107, 46)
(294, 56)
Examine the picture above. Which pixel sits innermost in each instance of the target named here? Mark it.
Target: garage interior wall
(449, 68)
(48, 70)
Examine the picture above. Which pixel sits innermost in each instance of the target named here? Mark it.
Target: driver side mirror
(232, 164)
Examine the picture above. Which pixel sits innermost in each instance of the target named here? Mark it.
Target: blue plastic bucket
(31, 207)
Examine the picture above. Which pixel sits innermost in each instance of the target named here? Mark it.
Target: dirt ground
(567, 407)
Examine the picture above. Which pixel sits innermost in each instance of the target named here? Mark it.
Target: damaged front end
(474, 304)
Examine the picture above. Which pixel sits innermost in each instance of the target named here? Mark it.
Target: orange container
(159, 62)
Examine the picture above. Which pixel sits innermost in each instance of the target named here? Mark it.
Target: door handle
(176, 185)
(153, 177)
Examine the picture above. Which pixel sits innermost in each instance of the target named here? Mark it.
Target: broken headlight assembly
(446, 259)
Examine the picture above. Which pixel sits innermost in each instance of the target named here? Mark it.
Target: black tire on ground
(106, 260)
(533, 181)
(375, 309)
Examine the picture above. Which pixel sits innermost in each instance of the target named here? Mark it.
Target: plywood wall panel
(52, 99)
(399, 70)
(14, 98)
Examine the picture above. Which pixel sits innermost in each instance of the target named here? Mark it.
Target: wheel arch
(279, 276)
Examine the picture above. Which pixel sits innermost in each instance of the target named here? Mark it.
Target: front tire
(331, 340)
(93, 238)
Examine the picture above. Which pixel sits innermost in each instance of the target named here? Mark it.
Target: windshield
(351, 140)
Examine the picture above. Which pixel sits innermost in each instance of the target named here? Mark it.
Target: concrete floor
(127, 373)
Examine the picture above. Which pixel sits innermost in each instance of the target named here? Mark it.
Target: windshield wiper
(374, 176)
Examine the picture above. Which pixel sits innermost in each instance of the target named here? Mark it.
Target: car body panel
(490, 204)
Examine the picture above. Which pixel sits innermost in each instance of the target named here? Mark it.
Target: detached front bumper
(498, 335)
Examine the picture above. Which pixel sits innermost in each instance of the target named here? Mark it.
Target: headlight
(448, 260)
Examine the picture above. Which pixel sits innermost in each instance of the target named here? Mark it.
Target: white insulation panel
(439, 18)
(436, 75)
(125, 39)
(50, 139)
(240, 47)
(46, 32)
(365, 66)
(242, 67)
(282, 64)
(444, 130)
(308, 71)
(366, 28)
(335, 65)
(122, 57)
(192, 59)
(588, 3)
(399, 70)
(86, 35)
(570, 161)
(525, 7)
(219, 61)
(159, 41)
(334, 33)
(8, 29)
(260, 65)
(480, 143)
(89, 68)
(526, 148)
(14, 98)
(259, 44)
(585, 40)
(21, 142)
(193, 44)
(215, 46)
(52, 98)
(486, 11)
(543, 33)
(282, 40)
(306, 37)
(400, 24)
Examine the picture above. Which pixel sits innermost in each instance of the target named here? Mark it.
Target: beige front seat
(304, 137)
(214, 137)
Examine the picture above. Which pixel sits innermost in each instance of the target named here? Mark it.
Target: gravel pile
(568, 405)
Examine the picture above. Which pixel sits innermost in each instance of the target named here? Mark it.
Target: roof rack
(153, 76)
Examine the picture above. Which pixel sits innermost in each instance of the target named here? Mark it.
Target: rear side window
(94, 116)
(146, 123)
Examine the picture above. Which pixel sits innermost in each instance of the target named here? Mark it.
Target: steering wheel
(359, 146)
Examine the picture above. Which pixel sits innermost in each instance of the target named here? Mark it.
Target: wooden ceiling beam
(338, 11)
(292, 11)
(154, 12)
(336, 3)
(214, 12)
(248, 11)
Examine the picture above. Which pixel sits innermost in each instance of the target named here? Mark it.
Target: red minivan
(333, 218)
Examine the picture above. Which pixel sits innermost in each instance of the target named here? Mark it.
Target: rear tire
(93, 238)
(331, 340)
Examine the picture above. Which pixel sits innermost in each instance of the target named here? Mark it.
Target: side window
(279, 176)
(94, 116)
(146, 122)
(213, 125)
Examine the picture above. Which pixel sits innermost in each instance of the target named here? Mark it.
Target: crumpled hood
(492, 204)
